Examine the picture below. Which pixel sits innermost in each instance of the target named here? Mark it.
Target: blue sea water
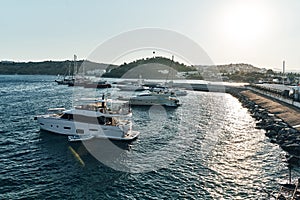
(208, 148)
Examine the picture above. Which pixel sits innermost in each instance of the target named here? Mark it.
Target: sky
(258, 32)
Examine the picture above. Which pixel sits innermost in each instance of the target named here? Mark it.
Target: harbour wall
(278, 117)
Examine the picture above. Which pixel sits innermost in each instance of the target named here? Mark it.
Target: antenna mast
(283, 71)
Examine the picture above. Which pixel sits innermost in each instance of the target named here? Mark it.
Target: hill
(49, 67)
(239, 72)
(148, 68)
(155, 67)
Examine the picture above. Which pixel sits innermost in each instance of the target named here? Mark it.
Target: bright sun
(245, 23)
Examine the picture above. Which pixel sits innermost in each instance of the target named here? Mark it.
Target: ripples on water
(206, 149)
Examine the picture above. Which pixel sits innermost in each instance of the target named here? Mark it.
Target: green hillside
(151, 67)
(49, 67)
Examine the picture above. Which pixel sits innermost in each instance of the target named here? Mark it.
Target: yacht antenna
(283, 71)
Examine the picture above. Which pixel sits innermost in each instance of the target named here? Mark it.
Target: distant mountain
(50, 67)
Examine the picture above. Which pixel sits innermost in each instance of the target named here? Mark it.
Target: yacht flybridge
(104, 119)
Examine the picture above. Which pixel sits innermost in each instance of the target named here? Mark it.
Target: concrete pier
(286, 112)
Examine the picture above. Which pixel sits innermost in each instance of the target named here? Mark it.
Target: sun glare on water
(245, 22)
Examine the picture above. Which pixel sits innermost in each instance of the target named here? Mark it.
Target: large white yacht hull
(70, 127)
(152, 100)
(132, 88)
(152, 103)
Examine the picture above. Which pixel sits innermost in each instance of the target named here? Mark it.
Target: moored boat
(163, 89)
(154, 98)
(68, 78)
(99, 84)
(97, 120)
(65, 81)
(133, 87)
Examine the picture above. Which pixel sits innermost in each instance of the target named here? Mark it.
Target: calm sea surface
(208, 148)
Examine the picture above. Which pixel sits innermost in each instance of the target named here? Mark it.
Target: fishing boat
(105, 119)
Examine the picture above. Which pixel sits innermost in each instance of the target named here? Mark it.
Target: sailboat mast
(69, 69)
(170, 73)
(83, 69)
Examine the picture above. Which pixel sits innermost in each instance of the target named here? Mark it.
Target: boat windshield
(144, 94)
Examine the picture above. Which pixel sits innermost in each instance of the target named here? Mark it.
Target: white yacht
(176, 91)
(154, 98)
(133, 87)
(97, 120)
(179, 92)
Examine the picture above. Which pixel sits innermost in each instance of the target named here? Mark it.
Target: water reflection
(239, 157)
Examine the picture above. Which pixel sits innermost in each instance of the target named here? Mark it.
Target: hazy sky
(258, 32)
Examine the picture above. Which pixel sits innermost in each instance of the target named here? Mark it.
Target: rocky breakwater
(277, 119)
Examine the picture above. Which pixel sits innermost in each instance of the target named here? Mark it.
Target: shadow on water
(60, 167)
(147, 107)
(91, 152)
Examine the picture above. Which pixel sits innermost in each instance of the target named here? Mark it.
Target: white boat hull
(70, 127)
(132, 88)
(153, 100)
(152, 103)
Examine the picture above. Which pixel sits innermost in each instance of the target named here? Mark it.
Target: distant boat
(68, 78)
(99, 84)
(154, 98)
(80, 81)
(176, 91)
(134, 86)
(65, 81)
